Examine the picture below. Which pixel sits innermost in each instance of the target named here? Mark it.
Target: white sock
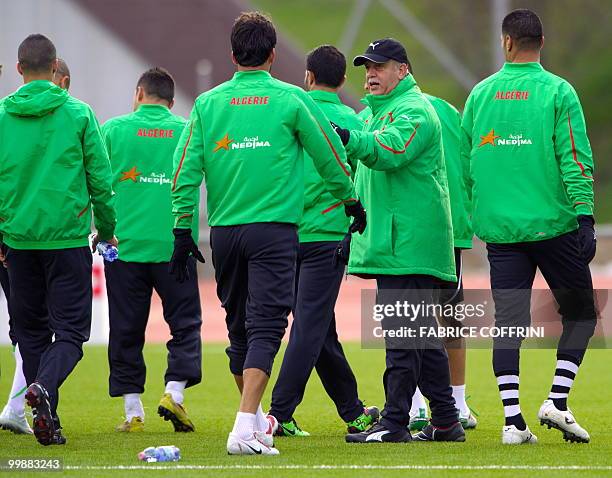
(17, 395)
(261, 422)
(460, 403)
(418, 401)
(133, 406)
(244, 426)
(176, 389)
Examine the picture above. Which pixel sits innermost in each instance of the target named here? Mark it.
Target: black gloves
(344, 134)
(184, 245)
(358, 213)
(343, 249)
(586, 237)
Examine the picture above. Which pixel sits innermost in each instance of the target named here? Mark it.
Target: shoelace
(471, 409)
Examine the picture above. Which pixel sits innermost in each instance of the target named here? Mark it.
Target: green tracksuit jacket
(457, 171)
(324, 219)
(245, 137)
(141, 147)
(401, 180)
(53, 169)
(530, 159)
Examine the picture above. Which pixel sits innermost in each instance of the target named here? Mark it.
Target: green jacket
(53, 169)
(323, 219)
(246, 138)
(402, 182)
(457, 171)
(141, 147)
(530, 159)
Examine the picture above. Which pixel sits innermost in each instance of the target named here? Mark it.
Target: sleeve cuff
(583, 208)
(183, 221)
(352, 142)
(105, 233)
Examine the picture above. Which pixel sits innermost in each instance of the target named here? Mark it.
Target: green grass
(89, 417)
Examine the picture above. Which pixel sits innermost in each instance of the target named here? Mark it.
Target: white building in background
(104, 69)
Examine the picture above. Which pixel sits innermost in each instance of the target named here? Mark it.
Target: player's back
(141, 147)
(45, 139)
(252, 157)
(323, 219)
(516, 118)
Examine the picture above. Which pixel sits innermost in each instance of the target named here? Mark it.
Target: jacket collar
(252, 75)
(522, 67)
(147, 109)
(326, 96)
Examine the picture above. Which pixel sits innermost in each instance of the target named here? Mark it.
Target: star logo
(374, 45)
(489, 138)
(223, 143)
(131, 174)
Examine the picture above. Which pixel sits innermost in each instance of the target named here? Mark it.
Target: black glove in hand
(358, 213)
(342, 252)
(184, 245)
(587, 237)
(344, 134)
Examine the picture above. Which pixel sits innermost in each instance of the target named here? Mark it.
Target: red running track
(348, 307)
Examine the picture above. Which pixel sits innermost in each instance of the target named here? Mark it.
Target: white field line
(171, 466)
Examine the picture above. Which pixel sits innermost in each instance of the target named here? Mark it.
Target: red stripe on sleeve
(84, 210)
(178, 170)
(394, 151)
(334, 151)
(580, 165)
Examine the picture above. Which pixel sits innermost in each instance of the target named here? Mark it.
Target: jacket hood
(36, 98)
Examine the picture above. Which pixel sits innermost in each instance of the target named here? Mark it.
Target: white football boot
(467, 421)
(513, 436)
(253, 446)
(13, 421)
(267, 436)
(564, 421)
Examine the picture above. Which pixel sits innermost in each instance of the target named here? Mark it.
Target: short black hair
(63, 70)
(157, 82)
(62, 67)
(525, 28)
(327, 64)
(253, 38)
(36, 53)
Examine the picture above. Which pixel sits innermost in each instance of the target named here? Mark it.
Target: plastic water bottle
(108, 251)
(160, 453)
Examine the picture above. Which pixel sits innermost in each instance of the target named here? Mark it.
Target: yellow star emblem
(131, 174)
(223, 143)
(489, 138)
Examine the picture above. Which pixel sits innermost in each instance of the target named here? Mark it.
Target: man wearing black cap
(406, 249)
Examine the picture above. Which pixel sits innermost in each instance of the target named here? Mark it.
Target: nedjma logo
(247, 142)
(137, 177)
(496, 140)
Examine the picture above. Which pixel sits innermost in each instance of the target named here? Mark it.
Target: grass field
(89, 417)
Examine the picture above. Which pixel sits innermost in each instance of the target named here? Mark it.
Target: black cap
(381, 51)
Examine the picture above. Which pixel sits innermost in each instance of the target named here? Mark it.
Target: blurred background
(451, 44)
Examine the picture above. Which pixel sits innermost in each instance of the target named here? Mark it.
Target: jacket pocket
(394, 233)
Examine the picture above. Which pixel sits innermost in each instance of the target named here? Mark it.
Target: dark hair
(36, 53)
(525, 28)
(327, 64)
(63, 70)
(157, 82)
(253, 38)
